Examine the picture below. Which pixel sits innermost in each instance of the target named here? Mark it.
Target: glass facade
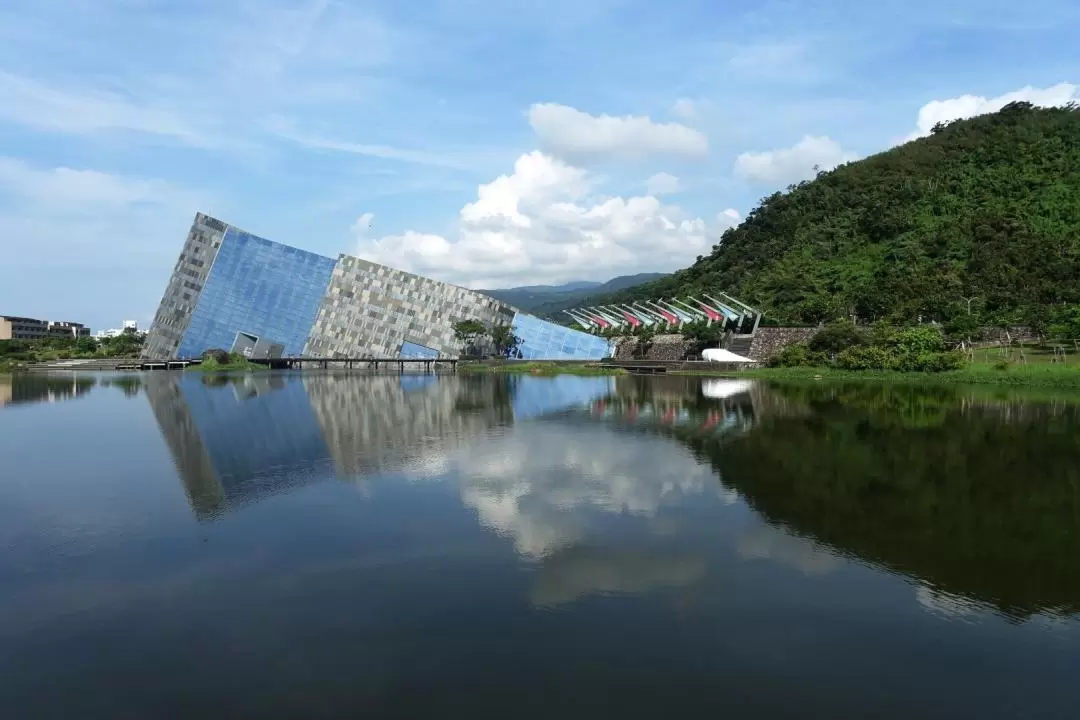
(543, 340)
(258, 287)
(412, 350)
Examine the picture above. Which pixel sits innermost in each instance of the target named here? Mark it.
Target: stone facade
(185, 285)
(768, 341)
(668, 347)
(371, 310)
(662, 347)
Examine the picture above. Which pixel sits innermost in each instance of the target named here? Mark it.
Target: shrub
(915, 340)
(866, 357)
(836, 337)
(219, 356)
(798, 355)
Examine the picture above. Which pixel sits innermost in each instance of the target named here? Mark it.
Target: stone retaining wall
(662, 347)
(768, 341)
(1021, 333)
(668, 347)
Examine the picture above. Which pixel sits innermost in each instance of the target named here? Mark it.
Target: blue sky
(483, 142)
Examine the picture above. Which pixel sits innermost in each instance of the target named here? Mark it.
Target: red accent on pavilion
(713, 315)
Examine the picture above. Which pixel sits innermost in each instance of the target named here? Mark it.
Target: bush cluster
(841, 345)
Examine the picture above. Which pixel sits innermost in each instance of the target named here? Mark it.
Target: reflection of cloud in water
(765, 542)
(946, 604)
(578, 572)
(723, 389)
(537, 485)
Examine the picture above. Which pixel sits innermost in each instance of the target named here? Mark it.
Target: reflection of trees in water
(27, 388)
(130, 385)
(977, 498)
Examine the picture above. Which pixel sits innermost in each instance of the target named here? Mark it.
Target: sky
(488, 143)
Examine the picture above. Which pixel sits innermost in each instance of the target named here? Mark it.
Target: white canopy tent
(719, 355)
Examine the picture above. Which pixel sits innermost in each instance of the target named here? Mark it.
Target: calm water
(285, 546)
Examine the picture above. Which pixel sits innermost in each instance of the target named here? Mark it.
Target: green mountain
(550, 300)
(982, 213)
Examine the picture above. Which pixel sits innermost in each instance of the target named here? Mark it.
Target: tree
(504, 339)
(467, 332)
(86, 345)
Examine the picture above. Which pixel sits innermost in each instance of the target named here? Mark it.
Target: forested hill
(986, 210)
(551, 300)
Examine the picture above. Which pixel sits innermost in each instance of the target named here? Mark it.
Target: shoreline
(1044, 376)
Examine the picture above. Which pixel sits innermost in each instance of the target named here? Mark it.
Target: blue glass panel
(262, 436)
(258, 287)
(543, 340)
(412, 350)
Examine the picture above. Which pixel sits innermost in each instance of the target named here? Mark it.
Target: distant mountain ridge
(550, 300)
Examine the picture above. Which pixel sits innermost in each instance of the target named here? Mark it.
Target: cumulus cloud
(574, 134)
(968, 106)
(543, 223)
(662, 184)
(790, 165)
(728, 219)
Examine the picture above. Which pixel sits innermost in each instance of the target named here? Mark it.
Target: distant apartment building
(23, 328)
(130, 326)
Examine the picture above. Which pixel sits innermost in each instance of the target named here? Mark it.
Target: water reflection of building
(683, 405)
(235, 440)
(385, 423)
(36, 388)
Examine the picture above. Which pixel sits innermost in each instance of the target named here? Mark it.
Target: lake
(342, 546)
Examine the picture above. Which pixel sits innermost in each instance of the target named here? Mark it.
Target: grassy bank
(237, 363)
(1061, 376)
(544, 369)
(1033, 375)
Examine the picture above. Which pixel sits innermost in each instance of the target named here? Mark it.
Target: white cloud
(362, 225)
(781, 167)
(577, 135)
(66, 190)
(76, 223)
(685, 109)
(773, 60)
(284, 130)
(541, 224)
(662, 184)
(968, 106)
(729, 218)
(543, 491)
(765, 542)
(41, 107)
